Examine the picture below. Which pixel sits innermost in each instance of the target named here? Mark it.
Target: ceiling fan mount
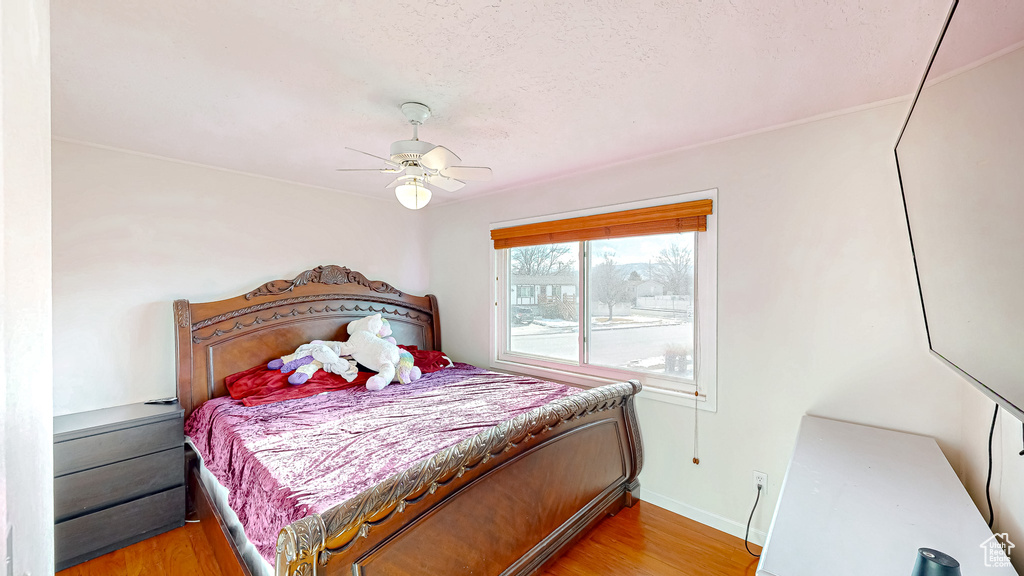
(421, 163)
(416, 113)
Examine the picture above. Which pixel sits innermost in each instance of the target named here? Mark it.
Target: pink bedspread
(284, 461)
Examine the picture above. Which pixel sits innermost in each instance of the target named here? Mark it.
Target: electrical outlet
(761, 479)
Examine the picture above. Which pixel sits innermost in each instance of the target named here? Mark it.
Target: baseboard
(703, 516)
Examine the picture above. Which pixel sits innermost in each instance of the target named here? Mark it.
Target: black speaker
(934, 563)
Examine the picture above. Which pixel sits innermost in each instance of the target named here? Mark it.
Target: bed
(506, 501)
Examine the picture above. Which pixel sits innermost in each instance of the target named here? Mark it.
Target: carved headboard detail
(322, 275)
(216, 339)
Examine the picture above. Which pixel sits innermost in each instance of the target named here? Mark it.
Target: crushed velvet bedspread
(284, 461)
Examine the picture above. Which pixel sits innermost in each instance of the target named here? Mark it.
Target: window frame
(667, 389)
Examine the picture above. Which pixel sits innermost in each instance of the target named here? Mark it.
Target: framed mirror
(960, 158)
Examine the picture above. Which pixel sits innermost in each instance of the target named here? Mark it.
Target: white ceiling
(534, 89)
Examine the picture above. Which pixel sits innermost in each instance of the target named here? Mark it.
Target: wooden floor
(649, 541)
(641, 541)
(180, 552)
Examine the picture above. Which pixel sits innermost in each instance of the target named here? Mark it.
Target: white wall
(26, 429)
(818, 304)
(131, 233)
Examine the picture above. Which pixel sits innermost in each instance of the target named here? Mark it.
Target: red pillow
(257, 385)
(427, 360)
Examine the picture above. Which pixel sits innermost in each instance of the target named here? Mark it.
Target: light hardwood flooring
(649, 541)
(641, 541)
(180, 552)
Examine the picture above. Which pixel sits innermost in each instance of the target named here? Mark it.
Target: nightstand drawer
(100, 532)
(81, 492)
(101, 449)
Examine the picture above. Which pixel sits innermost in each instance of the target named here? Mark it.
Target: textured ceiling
(979, 29)
(534, 89)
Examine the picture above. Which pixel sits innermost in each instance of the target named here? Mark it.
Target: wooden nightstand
(119, 477)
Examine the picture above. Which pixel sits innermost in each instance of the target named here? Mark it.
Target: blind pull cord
(696, 362)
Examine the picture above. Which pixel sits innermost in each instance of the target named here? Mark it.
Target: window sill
(649, 392)
(678, 398)
(584, 380)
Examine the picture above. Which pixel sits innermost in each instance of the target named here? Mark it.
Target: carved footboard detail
(299, 541)
(305, 546)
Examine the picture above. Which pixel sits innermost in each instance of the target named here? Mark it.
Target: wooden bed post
(183, 353)
(636, 443)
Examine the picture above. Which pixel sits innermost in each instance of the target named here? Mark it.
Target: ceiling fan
(421, 163)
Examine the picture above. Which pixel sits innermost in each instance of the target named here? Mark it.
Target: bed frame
(506, 501)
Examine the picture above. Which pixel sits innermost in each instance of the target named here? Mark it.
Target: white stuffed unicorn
(367, 345)
(317, 355)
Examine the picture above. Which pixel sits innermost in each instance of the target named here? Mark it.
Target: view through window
(543, 284)
(639, 294)
(641, 304)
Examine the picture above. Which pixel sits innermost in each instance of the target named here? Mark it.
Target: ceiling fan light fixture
(419, 163)
(413, 195)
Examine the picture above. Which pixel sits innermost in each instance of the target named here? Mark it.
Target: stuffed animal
(317, 355)
(385, 331)
(368, 348)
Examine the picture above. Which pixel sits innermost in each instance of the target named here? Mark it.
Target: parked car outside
(521, 316)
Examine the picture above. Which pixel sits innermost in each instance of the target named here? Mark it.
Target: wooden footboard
(506, 501)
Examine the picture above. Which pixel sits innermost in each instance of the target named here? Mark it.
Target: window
(544, 326)
(651, 333)
(610, 306)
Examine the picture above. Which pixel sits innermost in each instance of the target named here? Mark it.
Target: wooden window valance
(682, 217)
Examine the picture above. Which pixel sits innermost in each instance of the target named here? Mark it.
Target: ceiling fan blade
(396, 182)
(439, 158)
(386, 160)
(381, 170)
(446, 184)
(466, 172)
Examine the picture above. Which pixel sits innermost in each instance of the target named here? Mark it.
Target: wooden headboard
(216, 339)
